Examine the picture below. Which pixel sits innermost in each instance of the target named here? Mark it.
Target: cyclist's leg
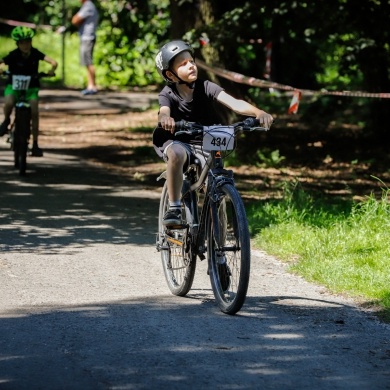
(32, 97)
(176, 156)
(9, 102)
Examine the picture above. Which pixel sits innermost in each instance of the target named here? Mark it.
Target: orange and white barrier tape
(24, 24)
(293, 109)
(239, 78)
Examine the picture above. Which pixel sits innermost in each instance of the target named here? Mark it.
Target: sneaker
(4, 127)
(88, 91)
(36, 151)
(172, 217)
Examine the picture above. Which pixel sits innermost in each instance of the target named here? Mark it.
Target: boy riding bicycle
(188, 98)
(24, 61)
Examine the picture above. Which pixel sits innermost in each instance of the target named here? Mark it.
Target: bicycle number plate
(218, 138)
(20, 82)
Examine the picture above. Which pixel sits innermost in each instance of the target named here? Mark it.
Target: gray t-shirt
(88, 12)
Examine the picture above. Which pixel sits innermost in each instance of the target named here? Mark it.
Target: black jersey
(28, 66)
(200, 109)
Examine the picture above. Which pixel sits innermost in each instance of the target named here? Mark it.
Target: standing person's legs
(86, 53)
(91, 77)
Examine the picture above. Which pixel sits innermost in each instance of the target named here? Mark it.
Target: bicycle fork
(218, 213)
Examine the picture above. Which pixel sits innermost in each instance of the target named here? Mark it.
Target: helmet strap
(189, 85)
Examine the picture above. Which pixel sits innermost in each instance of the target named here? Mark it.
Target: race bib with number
(218, 138)
(20, 82)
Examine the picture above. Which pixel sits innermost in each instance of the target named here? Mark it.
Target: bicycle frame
(217, 175)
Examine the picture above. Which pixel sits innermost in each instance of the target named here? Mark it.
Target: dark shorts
(194, 152)
(162, 140)
(86, 52)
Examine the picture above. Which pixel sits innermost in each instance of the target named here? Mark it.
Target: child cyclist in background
(187, 98)
(24, 61)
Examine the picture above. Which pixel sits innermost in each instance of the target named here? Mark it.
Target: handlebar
(38, 75)
(193, 128)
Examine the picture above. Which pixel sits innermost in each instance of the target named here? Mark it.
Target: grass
(341, 245)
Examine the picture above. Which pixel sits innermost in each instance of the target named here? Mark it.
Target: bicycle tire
(178, 265)
(229, 273)
(21, 138)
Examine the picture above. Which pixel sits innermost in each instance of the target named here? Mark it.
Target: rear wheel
(174, 244)
(228, 248)
(21, 158)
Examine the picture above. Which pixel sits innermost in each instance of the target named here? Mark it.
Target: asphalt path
(84, 303)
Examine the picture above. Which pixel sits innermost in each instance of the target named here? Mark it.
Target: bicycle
(213, 220)
(20, 130)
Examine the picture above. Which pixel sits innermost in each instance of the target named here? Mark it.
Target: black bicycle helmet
(20, 33)
(167, 53)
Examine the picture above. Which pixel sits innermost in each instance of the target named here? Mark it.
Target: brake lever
(259, 128)
(189, 132)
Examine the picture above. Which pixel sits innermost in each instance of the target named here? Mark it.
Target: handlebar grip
(180, 125)
(251, 122)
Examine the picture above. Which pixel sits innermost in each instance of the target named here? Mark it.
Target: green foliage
(342, 246)
(299, 206)
(128, 41)
(269, 158)
(6, 45)
(346, 50)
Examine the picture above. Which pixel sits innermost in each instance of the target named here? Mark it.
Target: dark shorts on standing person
(86, 52)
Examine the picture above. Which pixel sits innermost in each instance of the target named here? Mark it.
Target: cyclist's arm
(244, 108)
(53, 64)
(165, 119)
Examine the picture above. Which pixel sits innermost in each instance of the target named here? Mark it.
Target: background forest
(323, 44)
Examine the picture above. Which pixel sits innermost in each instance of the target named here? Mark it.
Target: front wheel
(174, 245)
(228, 249)
(21, 138)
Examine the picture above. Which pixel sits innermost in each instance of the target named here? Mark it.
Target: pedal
(162, 247)
(176, 227)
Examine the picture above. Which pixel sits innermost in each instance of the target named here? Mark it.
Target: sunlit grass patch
(342, 246)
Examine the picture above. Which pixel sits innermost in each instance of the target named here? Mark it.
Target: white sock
(176, 204)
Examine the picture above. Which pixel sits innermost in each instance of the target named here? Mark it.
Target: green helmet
(20, 33)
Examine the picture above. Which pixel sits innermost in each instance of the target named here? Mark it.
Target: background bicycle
(214, 221)
(20, 129)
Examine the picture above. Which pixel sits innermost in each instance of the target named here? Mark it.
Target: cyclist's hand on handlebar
(265, 119)
(51, 72)
(167, 123)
